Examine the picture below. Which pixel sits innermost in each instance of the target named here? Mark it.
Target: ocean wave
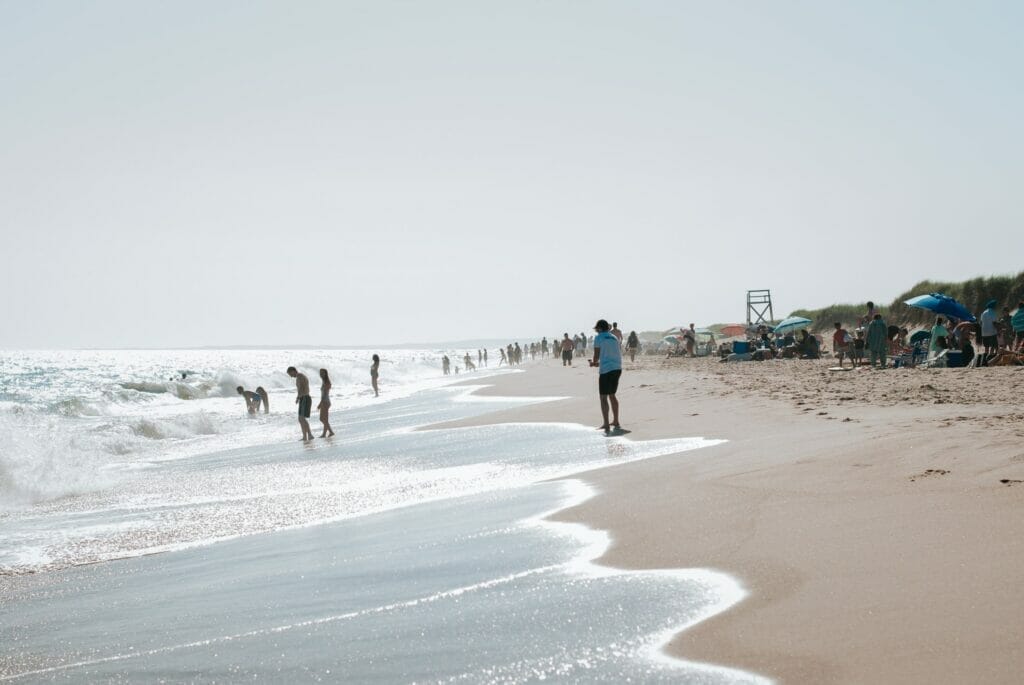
(179, 389)
(38, 462)
(77, 406)
(185, 426)
(223, 384)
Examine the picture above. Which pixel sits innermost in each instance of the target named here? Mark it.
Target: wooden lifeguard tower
(759, 308)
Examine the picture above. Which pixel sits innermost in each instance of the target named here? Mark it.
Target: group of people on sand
(259, 398)
(688, 345)
(576, 346)
(607, 345)
(999, 335)
(566, 348)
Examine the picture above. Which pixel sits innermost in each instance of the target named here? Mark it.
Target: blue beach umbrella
(792, 323)
(941, 304)
(920, 336)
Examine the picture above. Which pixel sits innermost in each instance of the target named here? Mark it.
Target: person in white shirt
(989, 333)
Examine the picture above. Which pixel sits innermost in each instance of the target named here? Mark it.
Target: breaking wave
(39, 462)
(186, 426)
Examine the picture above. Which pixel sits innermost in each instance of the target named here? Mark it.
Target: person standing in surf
(304, 401)
(374, 373)
(325, 403)
(608, 360)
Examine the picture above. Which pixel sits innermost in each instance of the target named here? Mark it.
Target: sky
(348, 173)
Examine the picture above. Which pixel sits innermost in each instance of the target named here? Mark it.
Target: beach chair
(919, 354)
(936, 362)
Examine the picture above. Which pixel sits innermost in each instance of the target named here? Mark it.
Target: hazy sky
(203, 173)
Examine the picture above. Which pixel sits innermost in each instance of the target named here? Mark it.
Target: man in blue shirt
(608, 360)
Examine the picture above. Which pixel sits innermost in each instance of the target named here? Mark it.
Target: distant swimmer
(470, 366)
(485, 357)
(253, 400)
(446, 365)
(374, 374)
(325, 403)
(304, 401)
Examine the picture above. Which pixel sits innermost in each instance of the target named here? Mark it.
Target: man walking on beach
(304, 401)
(608, 360)
(567, 348)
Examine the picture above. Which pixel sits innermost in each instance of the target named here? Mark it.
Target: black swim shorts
(305, 406)
(990, 340)
(608, 383)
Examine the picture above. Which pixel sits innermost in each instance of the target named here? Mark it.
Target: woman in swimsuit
(373, 375)
(325, 403)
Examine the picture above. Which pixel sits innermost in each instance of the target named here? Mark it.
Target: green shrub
(1006, 290)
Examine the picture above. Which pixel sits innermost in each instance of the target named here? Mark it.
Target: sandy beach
(874, 516)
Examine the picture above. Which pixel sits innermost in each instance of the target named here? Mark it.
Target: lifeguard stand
(759, 303)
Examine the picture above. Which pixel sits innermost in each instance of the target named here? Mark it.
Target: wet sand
(876, 517)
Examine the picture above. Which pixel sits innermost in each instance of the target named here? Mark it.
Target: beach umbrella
(919, 336)
(792, 323)
(733, 329)
(941, 304)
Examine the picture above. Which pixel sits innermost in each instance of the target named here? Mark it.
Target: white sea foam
(65, 415)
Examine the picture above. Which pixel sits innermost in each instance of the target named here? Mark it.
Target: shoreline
(135, 579)
(836, 502)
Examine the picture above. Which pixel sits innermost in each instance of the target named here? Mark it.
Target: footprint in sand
(929, 473)
(1010, 481)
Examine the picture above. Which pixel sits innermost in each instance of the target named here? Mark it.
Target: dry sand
(876, 517)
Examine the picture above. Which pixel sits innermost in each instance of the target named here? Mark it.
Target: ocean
(231, 551)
